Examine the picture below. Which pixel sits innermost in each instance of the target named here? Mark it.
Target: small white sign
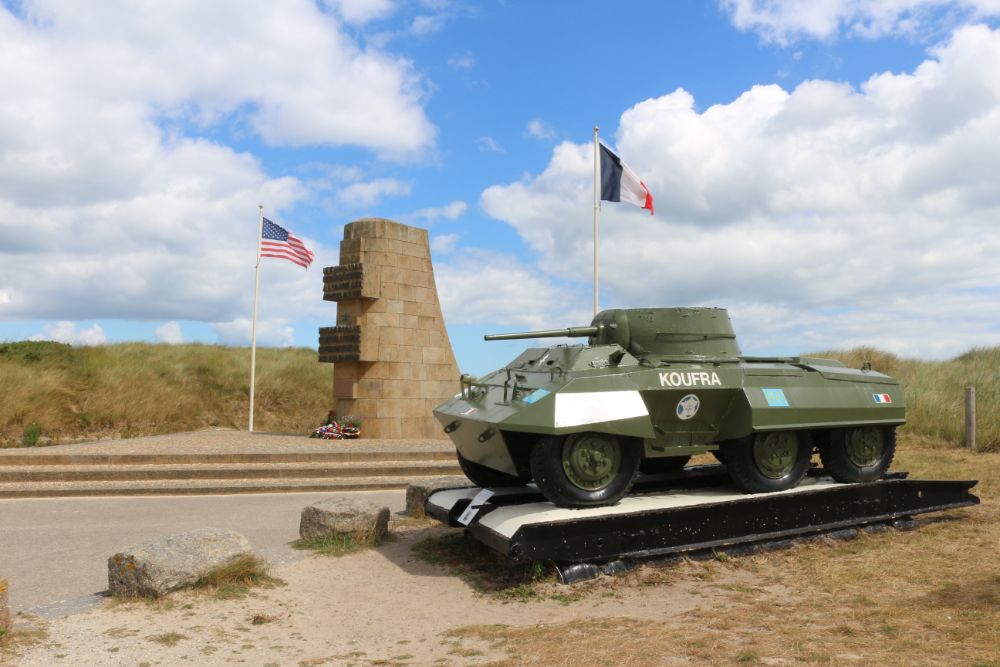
(688, 406)
(473, 509)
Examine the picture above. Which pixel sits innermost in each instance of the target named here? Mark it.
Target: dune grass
(54, 392)
(935, 391)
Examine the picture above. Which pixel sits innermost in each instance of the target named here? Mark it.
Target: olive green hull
(676, 408)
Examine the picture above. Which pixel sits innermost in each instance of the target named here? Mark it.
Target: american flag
(278, 242)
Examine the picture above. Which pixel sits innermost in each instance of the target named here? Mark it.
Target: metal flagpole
(597, 208)
(253, 327)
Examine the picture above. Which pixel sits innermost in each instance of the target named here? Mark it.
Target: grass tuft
(340, 544)
(235, 579)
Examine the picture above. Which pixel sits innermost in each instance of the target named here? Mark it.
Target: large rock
(5, 625)
(418, 492)
(365, 521)
(154, 568)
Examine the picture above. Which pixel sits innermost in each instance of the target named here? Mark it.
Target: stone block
(345, 388)
(5, 621)
(418, 492)
(154, 568)
(362, 520)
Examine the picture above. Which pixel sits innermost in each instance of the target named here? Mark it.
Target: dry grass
(235, 579)
(133, 389)
(928, 597)
(935, 391)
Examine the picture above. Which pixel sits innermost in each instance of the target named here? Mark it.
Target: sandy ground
(380, 606)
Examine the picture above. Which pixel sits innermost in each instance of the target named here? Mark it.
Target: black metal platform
(685, 513)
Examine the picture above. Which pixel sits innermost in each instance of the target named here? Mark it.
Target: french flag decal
(882, 398)
(619, 183)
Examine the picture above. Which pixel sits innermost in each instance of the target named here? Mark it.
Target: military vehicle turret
(651, 388)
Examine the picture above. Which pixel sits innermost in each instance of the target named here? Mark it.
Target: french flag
(619, 183)
(882, 398)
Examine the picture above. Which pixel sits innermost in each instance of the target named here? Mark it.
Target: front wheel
(585, 469)
(859, 454)
(772, 461)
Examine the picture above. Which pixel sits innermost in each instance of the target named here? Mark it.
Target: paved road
(54, 550)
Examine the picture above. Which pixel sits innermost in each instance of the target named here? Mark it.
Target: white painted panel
(598, 406)
(506, 520)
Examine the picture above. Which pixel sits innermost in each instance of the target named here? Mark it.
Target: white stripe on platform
(506, 520)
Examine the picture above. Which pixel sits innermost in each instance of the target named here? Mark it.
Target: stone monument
(392, 359)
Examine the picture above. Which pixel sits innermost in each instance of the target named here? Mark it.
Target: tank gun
(569, 332)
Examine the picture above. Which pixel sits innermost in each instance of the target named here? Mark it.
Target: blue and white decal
(688, 406)
(775, 398)
(536, 396)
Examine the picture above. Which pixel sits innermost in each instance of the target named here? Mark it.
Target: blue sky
(825, 170)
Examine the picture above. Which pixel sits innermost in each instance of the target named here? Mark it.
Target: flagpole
(597, 208)
(253, 327)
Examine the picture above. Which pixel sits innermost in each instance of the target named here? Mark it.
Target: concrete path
(54, 551)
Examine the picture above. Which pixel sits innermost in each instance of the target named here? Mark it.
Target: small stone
(418, 492)
(366, 522)
(154, 568)
(5, 623)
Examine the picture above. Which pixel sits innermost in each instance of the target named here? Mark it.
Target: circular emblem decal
(688, 406)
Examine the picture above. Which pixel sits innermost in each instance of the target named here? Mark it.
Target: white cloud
(489, 144)
(66, 332)
(270, 333)
(539, 129)
(369, 193)
(861, 212)
(443, 244)
(359, 12)
(451, 211)
(427, 24)
(169, 333)
(464, 61)
(505, 290)
(128, 217)
(784, 21)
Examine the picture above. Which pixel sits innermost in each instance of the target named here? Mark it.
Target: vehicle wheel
(663, 464)
(860, 454)
(772, 461)
(585, 469)
(487, 477)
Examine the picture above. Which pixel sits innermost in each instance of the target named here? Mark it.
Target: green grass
(935, 391)
(55, 392)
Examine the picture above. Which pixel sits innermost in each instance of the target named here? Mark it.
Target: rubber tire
(486, 477)
(745, 474)
(663, 464)
(836, 462)
(547, 470)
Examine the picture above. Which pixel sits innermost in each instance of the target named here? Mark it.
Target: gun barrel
(571, 332)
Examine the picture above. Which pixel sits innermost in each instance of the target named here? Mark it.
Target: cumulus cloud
(505, 289)
(539, 129)
(271, 333)
(784, 21)
(108, 209)
(464, 61)
(442, 244)
(359, 12)
(451, 211)
(169, 333)
(489, 144)
(872, 205)
(369, 193)
(66, 332)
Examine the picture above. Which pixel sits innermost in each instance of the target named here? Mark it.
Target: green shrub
(31, 435)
